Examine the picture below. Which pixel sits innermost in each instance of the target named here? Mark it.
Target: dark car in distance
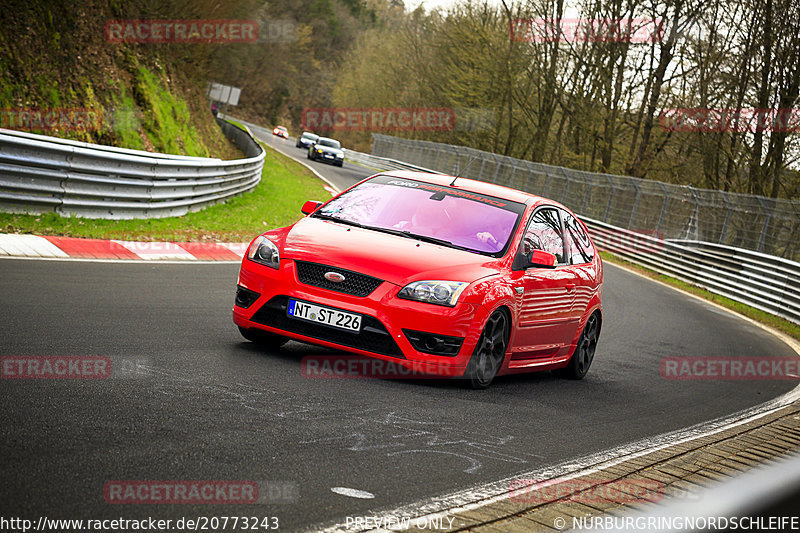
(327, 150)
(306, 140)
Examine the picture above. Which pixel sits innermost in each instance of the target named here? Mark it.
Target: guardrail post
(586, 195)
(546, 184)
(496, 167)
(765, 228)
(728, 212)
(610, 198)
(483, 164)
(635, 203)
(566, 186)
(663, 207)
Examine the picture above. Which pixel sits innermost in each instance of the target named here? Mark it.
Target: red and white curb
(35, 246)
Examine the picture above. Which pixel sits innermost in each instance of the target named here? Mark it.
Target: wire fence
(663, 210)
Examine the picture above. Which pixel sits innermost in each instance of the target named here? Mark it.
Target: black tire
(489, 352)
(262, 338)
(340, 164)
(583, 355)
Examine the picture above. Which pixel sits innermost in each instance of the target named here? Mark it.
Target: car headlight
(265, 252)
(319, 151)
(433, 292)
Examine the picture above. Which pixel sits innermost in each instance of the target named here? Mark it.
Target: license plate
(324, 315)
(329, 156)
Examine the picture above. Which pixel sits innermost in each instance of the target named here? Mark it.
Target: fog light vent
(434, 343)
(245, 297)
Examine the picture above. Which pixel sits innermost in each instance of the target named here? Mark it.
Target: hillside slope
(62, 77)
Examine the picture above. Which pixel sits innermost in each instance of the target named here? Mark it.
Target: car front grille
(373, 337)
(354, 283)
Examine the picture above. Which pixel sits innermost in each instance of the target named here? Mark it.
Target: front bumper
(392, 329)
(328, 157)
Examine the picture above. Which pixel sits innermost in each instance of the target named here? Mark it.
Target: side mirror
(310, 206)
(542, 259)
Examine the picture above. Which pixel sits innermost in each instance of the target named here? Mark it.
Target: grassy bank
(285, 185)
(57, 62)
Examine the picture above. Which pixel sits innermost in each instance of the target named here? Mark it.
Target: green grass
(276, 201)
(126, 121)
(775, 322)
(166, 120)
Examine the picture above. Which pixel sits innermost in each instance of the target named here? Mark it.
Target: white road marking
(28, 246)
(239, 248)
(353, 493)
(156, 250)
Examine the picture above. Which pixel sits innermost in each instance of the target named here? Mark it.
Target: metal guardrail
(765, 282)
(766, 225)
(381, 163)
(41, 174)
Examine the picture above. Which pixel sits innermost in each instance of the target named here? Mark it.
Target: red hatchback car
(442, 275)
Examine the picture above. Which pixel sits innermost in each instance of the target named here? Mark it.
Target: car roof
(467, 184)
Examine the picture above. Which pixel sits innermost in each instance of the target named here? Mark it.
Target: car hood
(329, 149)
(392, 258)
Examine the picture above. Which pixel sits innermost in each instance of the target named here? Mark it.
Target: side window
(544, 233)
(579, 247)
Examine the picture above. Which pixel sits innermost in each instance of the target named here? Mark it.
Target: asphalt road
(203, 404)
(342, 177)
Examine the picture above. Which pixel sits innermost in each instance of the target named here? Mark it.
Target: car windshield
(329, 142)
(444, 215)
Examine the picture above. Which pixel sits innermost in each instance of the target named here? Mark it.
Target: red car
(281, 131)
(442, 275)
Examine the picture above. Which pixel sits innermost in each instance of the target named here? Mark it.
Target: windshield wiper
(424, 238)
(399, 232)
(323, 216)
